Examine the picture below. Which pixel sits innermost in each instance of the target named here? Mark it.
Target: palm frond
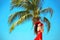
(13, 16)
(47, 10)
(27, 5)
(16, 3)
(48, 23)
(26, 16)
(35, 2)
(23, 3)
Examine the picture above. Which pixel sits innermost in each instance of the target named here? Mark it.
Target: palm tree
(29, 5)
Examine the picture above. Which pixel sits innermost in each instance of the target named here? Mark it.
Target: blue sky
(25, 31)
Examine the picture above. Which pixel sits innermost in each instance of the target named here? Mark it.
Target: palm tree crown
(29, 5)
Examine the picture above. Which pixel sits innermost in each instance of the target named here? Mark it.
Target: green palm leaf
(35, 2)
(13, 16)
(48, 23)
(26, 16)
(23, 3)
(16, 3)
(47, 10)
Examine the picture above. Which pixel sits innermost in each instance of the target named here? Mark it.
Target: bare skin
(40, 28)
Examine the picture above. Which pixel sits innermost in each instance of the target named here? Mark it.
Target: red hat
(38, 22)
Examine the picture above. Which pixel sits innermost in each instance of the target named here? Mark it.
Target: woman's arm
(42, 29)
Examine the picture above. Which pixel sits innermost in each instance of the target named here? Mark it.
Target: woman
(38, 30)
